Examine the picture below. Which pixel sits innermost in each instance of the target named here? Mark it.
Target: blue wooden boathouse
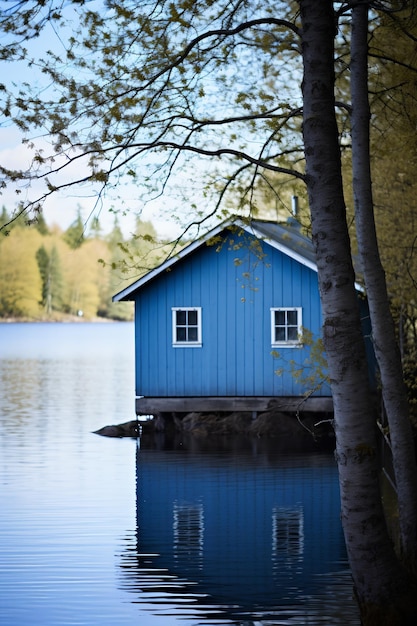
(221, 326)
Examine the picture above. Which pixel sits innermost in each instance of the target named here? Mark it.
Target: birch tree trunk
(383, 333)
(381, 584)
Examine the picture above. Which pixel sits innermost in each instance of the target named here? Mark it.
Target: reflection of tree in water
(175, 564)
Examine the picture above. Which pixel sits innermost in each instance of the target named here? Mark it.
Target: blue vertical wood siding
(235, 287)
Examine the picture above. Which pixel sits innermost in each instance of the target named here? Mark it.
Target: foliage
(312, 373)
(144, 88)
(43, 277)
(50, 271)
(394, 153)
(154, 91)
(140, 92)
(74, 235)
(188, 90)
(20, 281)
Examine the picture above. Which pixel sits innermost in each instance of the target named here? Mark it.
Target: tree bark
(383, 331)
(380, 582)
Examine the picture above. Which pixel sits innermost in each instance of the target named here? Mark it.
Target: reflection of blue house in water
(252, 533)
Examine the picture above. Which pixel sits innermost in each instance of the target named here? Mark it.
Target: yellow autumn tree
(20, 280)
(82, 278)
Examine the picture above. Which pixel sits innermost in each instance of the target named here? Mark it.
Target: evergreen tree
(41, 225)
(95, 228)
(49, 268)
(115, 237)
(115, 268)
(74, 235)
(42, 258)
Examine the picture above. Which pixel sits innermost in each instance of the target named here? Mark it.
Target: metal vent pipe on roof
(294, 206)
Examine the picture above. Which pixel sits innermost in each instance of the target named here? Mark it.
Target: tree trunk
(380, 582)
(383, 331)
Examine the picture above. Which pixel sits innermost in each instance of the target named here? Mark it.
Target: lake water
(98, 531)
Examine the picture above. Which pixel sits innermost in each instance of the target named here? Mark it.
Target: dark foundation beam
(151, 406)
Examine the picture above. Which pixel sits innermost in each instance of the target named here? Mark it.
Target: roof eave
(127, 293)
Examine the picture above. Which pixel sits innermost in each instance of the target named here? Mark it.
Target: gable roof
(285, 237)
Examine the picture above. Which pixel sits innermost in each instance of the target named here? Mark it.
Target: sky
(178, 204)
(62, 209)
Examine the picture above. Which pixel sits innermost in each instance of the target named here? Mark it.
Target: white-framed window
(286, 326)
(186, 327)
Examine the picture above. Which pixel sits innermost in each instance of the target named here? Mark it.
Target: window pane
(286, 326)
(280, 333)
(292, 333)
(192, 334)
(279, 318)
(181, 334)
(181, 317)
(292, 318)
(192, 318)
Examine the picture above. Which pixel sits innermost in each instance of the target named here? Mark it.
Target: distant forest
(50, 274)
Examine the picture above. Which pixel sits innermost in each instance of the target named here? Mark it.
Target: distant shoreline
(62, 319)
